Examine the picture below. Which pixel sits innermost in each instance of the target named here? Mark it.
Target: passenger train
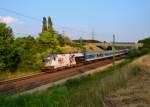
(57, 61)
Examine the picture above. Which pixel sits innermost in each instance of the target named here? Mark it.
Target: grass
(87, 91)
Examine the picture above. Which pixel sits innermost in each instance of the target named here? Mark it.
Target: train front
(56, 61)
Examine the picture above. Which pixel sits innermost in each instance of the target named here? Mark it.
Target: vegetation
(50, 25)
(146, 45)
(44, 28)
(8, 53)
(27, 49)
(86, 91)
(142, 51)
(26, 53)
(146, 42)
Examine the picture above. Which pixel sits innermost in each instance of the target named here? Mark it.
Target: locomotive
(59, 61)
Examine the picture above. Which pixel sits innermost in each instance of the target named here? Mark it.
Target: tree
(49, 40)
(145, 42)
(67, 40)
(44, 28)
(63, 40)
(50, 24)
(8, 54)
(27, 49)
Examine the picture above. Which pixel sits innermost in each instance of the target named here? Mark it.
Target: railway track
(30, 82)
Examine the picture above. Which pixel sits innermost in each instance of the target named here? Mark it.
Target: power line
(19, 14)
(36, 19)
(33, 18)
(72, 29)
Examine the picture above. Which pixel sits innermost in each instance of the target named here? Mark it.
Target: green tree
(67, 40)
(27, 48)
(145, 42)
(44, 28)
(50, 24)
(8, 54)
(146, 45)
(63, 40)
(49, 40)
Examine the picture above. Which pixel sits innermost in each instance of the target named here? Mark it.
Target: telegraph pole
(63, 32)
(93, 35)
(81, 45)
(113, 49)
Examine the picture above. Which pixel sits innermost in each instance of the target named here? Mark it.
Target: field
(89, 91)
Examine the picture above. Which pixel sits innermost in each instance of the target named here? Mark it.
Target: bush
(8, 53)
(134, 53)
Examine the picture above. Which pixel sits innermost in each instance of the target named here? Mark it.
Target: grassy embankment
(137, 90)
(86, 91)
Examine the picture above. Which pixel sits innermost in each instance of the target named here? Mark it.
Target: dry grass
(68, 49)
(137, 91)
(92, 48)
(89, 48)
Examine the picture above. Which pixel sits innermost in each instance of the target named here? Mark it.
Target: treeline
(146, 45)
(145, 42)
(26, 53)
(142, 50)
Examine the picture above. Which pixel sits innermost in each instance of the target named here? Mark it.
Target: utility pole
(93, 35)
(63, 32)
(81, 45)
(113, 49)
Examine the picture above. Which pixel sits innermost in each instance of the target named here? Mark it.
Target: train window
(106, 54)
(97, 55)
(100, 55)
(92, 56)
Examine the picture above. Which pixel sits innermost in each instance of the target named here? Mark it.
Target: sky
(129, 20)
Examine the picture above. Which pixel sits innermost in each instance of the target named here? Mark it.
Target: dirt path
(137, 91)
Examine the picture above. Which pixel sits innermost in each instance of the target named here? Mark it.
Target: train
(59, 61)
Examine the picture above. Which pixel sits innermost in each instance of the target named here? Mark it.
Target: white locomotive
(61, 60)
